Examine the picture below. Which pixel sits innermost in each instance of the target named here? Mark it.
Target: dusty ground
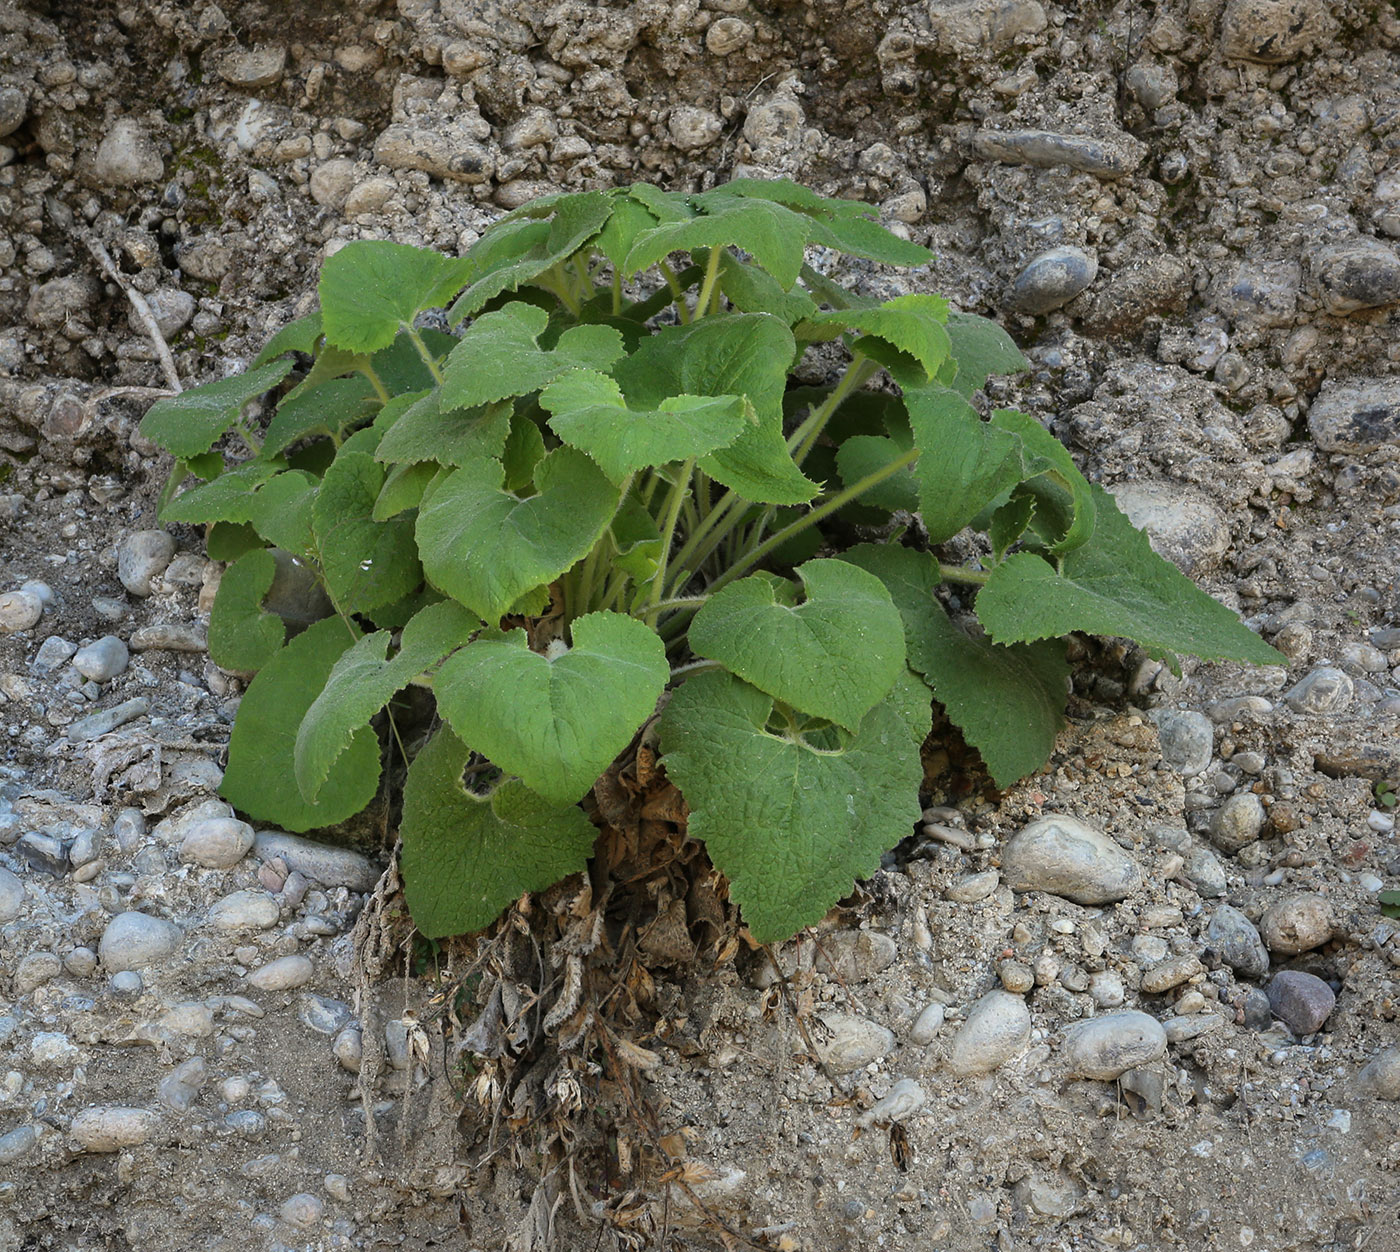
(1228, 174)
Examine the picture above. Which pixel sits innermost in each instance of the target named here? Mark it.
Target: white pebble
(245, 910)
(1104, 1047)
(109, 1128)
(905, 1097)
(142, 556)
(997, 1028)
(854, 1042)
(216, 843)
(19, 610)
(133, 940)
(283, 974)
(102, 660)
(927, 1024)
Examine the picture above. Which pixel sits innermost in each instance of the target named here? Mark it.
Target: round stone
(133, 941)
(1069, 858)
(1187, 739)
(996, 1028)
(302, 1210)
(1237, 822)
(110, 1128)
(283, 974)
(331, 182)
(11, 896)
(217, 843)
(142, 556)
(1380, 1076)
(1104, 1047)
(103, 660)
(692, 129)
(180, 1088)
(1325, 690)
(56, 303)
(1234, 938)
(1301, 1001)
(19, 610)
(928, 1023)
(1297, 923)
(245, 910)
(1183, 524)
(728, 35)
(1205, 872)
(1357, 274)
(127, 156)
(348, 1048)
(852, 1042)
(172, 309)
(1051, 279)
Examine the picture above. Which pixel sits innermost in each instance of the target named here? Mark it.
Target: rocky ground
(1145, 999)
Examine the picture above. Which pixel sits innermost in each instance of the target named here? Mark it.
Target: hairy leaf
(428, 432)
(301, 335)
(281, 511)
(192, 422)
(259, 780)
(466, 857)
(327, 408)
(372, 288)
(772, 234)
(753, 290)
(366, 563)
(914, 324)
(403, 489)
(1072, 501)
(556, 720)
(242, 636)
(981, 349)
(865, 454)
(834, 656)
(792, 825)
(227, 498)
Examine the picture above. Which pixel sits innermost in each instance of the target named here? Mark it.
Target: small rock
(369, 196)
(1324, 691)
(217, 843)
(997, 1027)
(17, 1143)
(110, 1128)
(254, 67)
(1301, 1001)
(1358, 274)
(283, 974)
(1169, 974)
(1016, 976)
(1180, 1029)
(1106, 989)
(1356, 417)
(906, 1097)
(1187, 739)
(979, 28)
(853, 1042)
(1297, 923)
(1270, 32)
(302, 1210)
(1379, 1077)
(1258, 1016)
(692, 129)
(19, 610)
(332, 181)
(245, 910)
(1111, 156)
(348, 1048)
(34, 970)
(142, 556)
(103, 660)
(192, 1018)
(97, 724)
(326, 864)
(1238, 708)
(1183, 524)
(127, 156)
(14, 108)
(172, 309)
(449, 152)
(974, 887)
(1234, 937)
(1204, 871)
(170, 637)
(1068, 858)
(52, 653)
(1051, 279)
(1153, 85)
(728, 35)
(1238, 822)
(928, 1023)
(1264, 293)
(1104, 1047)
(11, 896)
(44, 853)
(180, 1088)
(133, 941)
(324, 1015)
(855, 955)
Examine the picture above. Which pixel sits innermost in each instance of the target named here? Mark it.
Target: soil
(1228, 170)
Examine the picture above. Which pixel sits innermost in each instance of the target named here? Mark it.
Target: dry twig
(138, 302)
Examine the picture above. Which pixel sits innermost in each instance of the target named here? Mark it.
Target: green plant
(596, 492)
(1386, 795)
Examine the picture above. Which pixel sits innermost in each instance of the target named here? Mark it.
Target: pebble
(1238, 822)
(973, 888)
(19, 610)
(1052, 279)
(17, 1143)
(1187, 739)
(1183, 524)
(180, 1088)
(928, 1024)
(171, 308)
(854, 1042)
(142, 556)
(692, 128)
(447, 151)
(1358, 274)
(170, 637)
(1357, 416)
(1325, 690)
(127, 156)
(11, 896)
(52, 653)
(303, 1209)
(1016, 976)
(1180, 1029)
(1104, 1047)
(44, 853)
(1172, 973)
(324, 1015)
(107, 720)
(103, 660)
(1297, 923)
(1111, 156)
(1067, 857)
(283, 974)
(997, 1028)
(260, 66)
(1379, 1077)
(906, 1097)
(1238, 708)
(332, 181)
(1106, 989)
(1270, 32)
(128, 983)
(217, 843)
(855, 955)
(192, 1018)
(34, 970)
(1204, 871)
(14, 108)
(1236, 939)
(1301, 1001)
(348, 1048)
(326, 864)
(110, 1128)
(133, 941)
(245, 910)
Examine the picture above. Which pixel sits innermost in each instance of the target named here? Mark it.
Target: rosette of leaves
(599, 483)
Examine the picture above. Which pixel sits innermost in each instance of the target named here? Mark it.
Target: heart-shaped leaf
(366, 563)
(466, 856)
(530, 541)
(371, 288)
(242, 636)
(912, 323)
(426, 431)
(834, 656)
(557, 720)
(192, 422)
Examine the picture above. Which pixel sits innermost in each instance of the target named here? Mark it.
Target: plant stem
(679, 491)
(805, 437)
(677, 291)
(854, 491)
(961, 574)
(680, 602)
(428, 359)
(559, 287)
(374, 381)
(707, 287)
(616, 294)
(694, 667)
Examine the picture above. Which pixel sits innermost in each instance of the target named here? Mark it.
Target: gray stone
(107, 720)
(1324, 691)
(217, 843)
(977, 27)
(1109, 156)
(284, 974)
(331, 182)
(905, 1098)
(254, 67)
(180, 1088)
(52, 653)
(61, 301)
(170, 637)
(1297, 923)
(1236, 940)
(973, 888)
(34, 970)
(1051, 279)
(1261, 292)
(1258, 1016)
(692, 129)
(727, 36)
(102, 660)
(855, 955)
(997, 1028)
(928, 1023)
(1106, 989)
(1270, 31)
(171, 307)
(110, 1128)
(44, 853)
(133, 941)
(852, 1042)
(324, 1015)
(449, 152)
(1104, 1047)
(1182, 523)
(1238, 822)
(302, 1210)
(1154, 85)
(1239, 708)
(142, 556)
(1379, 1077)
(15, 1145)
(1068, 858)
(1301, 1001)
(1358, 274)
(245, 910)
(326, 864)
(348, 1048)
(19, 610)
(1204, 871)
(1171, 973)
(127, 156)
(1356, 417)
(206, 257)
(14, 108)
(11, 896)
(1187, 738)
(81, 962)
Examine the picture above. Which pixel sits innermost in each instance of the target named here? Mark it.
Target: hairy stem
(677, 291)
(962, 574)
(428, 359)
(707, 287)
(679, 491)
(805, 437)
